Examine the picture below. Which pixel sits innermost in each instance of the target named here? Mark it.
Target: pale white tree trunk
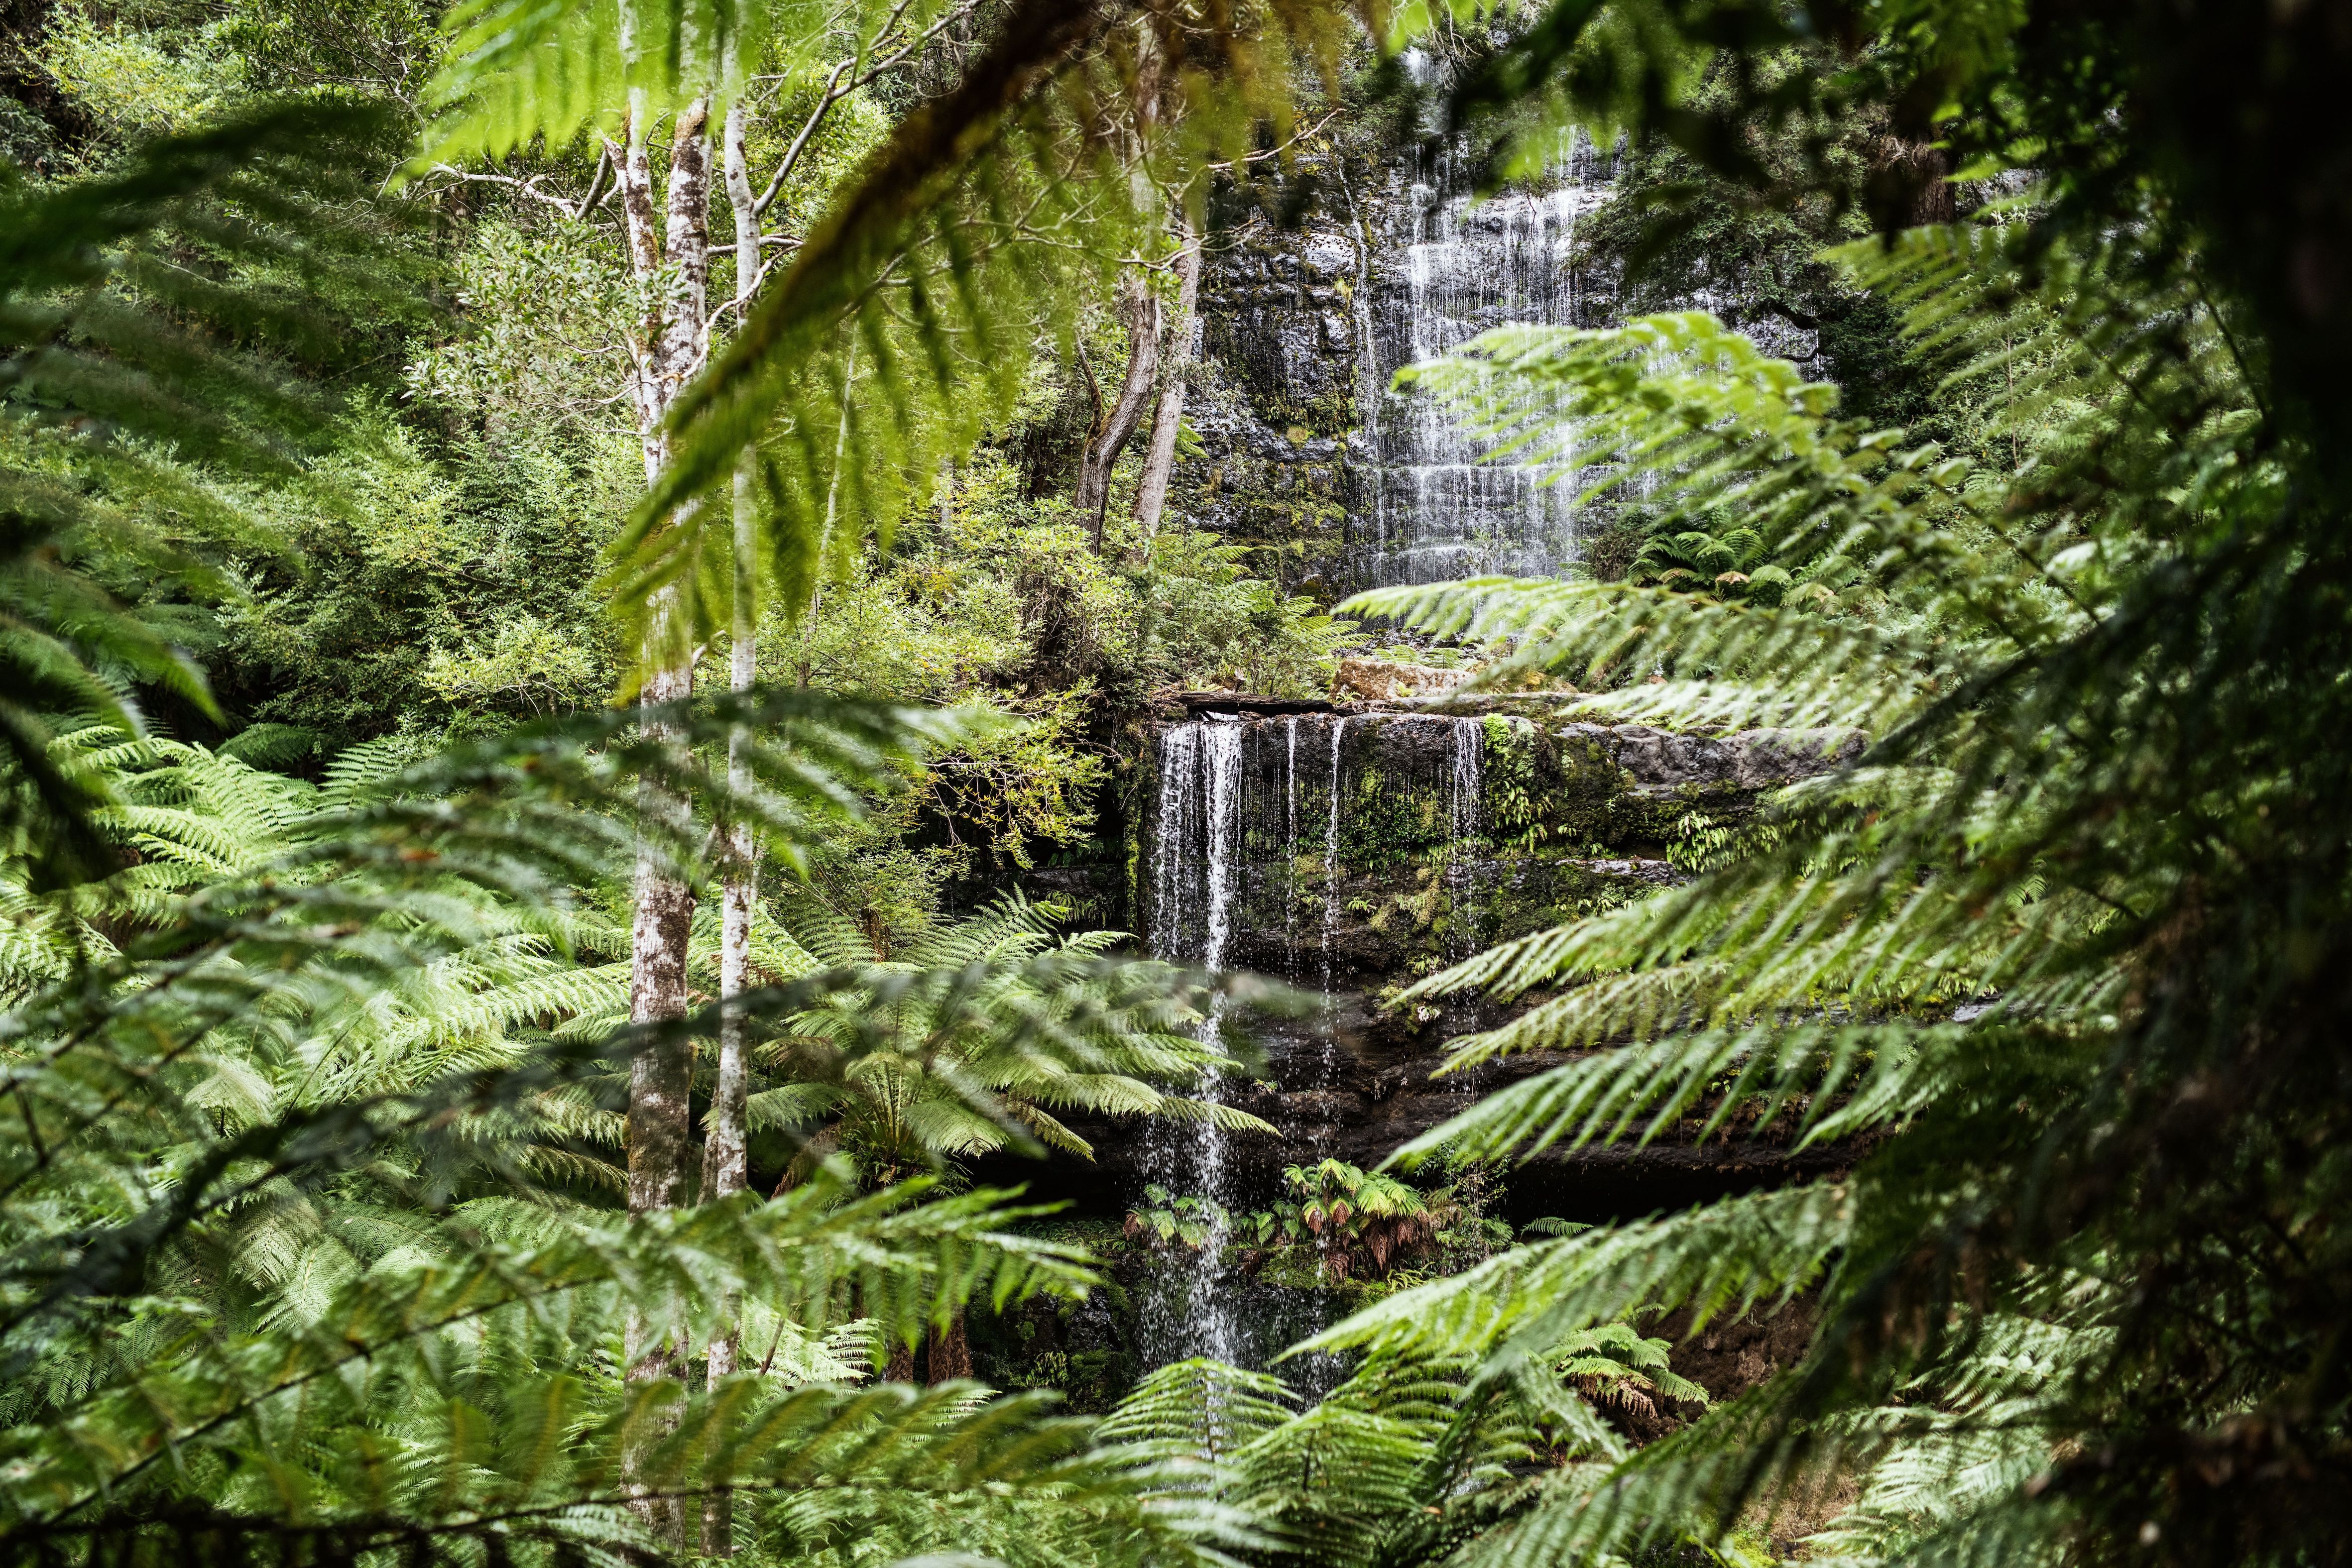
(1114, 424)
(672, 265)
(1141, 308)
(724, 1160)
(725, 1156)
(677, 325)
(1167, 419)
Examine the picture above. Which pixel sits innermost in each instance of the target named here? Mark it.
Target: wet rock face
(1451, 833)
(1750, 760)
(1305, 445)
(1381, 680)
(1358, 849)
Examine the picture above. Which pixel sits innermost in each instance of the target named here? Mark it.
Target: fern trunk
(951, 1356)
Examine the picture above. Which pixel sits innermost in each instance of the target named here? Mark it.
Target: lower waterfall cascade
(1233, 879)
(1347, 851)
(1199, 803)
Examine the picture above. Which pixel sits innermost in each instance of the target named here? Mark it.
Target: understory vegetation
(572, 577)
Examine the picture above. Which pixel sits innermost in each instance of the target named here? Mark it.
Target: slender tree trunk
(725, 1157)
(674, 337)
(661, 1141)
(831, 505)
(1116, 423)
(1168, 419)
(688, 241)
(1139, 307)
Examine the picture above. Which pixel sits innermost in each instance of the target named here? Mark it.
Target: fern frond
(896, 333)
(1724, 1257)
(98, 386)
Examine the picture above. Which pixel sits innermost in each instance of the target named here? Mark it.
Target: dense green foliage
(310, 1215)
(1334, 1224)
(325, 350)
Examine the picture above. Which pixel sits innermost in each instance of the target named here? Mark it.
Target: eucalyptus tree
(616, 75)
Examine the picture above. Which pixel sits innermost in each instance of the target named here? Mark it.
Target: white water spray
(1200, 828)
(1462, 828)
(1331, 861)
(1290, 844)
(1439, 510)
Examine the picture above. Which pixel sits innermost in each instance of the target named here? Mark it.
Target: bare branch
(522, 187)
(837, 88)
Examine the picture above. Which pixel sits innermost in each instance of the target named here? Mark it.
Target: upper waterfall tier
(1437, 511)
(1306, 447)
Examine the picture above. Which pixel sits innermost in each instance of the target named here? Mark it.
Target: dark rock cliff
(1349, 853)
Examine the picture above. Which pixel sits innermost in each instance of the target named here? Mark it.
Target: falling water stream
(1235, 808)
(1199, 813)
(1331, 859)
(1462, 823)
(1435, 267)
(1439, 510)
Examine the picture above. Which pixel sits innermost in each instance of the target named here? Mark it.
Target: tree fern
(1415, 1457)
(281, 1109)
(969, 1040)
(149, 319)
(2015, 837)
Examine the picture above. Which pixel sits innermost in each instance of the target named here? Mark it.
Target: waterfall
(1223, 770)
(1331, 859)
(1462, 825)
(1290, 844)
(1371, 387)
(1440, 511)
(1179, 761)
(1200, 830)
(1238, 811)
